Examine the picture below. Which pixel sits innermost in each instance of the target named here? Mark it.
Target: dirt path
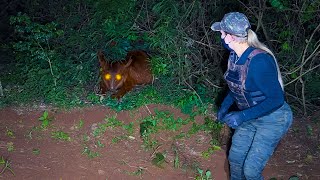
(94, 151)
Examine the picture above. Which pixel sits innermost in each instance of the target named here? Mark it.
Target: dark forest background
(48, 49)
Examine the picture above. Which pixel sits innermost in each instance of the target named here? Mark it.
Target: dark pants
(254, 142)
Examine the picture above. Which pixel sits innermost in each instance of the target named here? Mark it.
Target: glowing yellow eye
(118, 77)
(107, 76)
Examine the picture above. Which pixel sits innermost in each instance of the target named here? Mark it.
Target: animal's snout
(112, 89)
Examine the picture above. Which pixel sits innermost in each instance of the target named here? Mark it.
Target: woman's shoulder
(259, 53)
(262, 59)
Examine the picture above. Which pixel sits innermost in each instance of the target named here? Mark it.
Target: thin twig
(1, 89)
(50, 64)
(259, 16)
(187, 38)
(304, 73)
(7, 166)
(135, 20)
(213, 84)
(194, 91)
(148, 109)
(154, 151)
(315, 52)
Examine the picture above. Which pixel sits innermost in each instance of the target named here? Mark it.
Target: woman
(255, 85)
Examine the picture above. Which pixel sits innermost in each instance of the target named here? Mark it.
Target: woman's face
(228, 38)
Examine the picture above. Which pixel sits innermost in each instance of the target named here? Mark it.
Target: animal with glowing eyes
(120, 77)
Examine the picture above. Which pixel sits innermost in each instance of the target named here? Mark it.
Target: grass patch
(61, 135)
(5, 164)
(45, 120)
(90, 154)
(9, 133)
(36, 151)
(201, 175)
(10, 147)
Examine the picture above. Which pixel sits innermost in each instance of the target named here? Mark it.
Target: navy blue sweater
(262, 76)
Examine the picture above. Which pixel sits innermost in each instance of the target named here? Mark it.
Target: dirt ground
(35, 154)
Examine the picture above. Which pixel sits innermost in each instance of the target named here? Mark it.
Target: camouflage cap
(234, 23)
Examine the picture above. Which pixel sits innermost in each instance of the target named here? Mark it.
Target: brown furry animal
(121, 77)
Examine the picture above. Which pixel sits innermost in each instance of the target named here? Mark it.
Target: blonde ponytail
(254, 42)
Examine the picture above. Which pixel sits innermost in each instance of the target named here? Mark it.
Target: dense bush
(55, 45)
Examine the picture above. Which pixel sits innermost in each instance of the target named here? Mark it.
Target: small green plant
(295, 130)
(100, 130)
(6, 165)
(118, 138)
(148, 143)
(294, 177)
(29, 135)
(147, 127)
(93, 98)
(10, 133)
(102, 127)
(206, 154)
(194, 128)
(176, 162)
(61, 135)
(308, 159)
(115, 140)
(309, 130)
(158, 160)
(86, 138)
(129, 128)
(99, 144)
(201, 176)
(80, 124)
(36, 151)
(211, 126)
(278, 4)
(181, 135)
(113, 122)
(90, 153)
(45, 120)
(138, 172)
(10, 147)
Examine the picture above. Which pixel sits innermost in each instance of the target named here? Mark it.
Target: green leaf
(200, 171)
(294, 178)
(158, 160)
(208, 175)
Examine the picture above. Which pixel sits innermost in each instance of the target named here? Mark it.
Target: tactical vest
(236, 76)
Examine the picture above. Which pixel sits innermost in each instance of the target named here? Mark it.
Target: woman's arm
(263, 76)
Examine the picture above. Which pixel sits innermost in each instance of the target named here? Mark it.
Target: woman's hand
(234, 119)
(221, 113)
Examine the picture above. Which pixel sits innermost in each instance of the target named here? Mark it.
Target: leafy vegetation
(164, 121)
(45, 120)
(61, 135)
(5, 164)
(203, 176)
(10, 133)
(90, 153)
(36, 151)
(54, 57)
(10, 146)
(159, 160)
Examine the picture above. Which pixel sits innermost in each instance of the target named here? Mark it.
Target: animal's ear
(102, 59)
(129, 62)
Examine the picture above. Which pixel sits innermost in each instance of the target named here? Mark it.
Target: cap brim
(216, 26)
